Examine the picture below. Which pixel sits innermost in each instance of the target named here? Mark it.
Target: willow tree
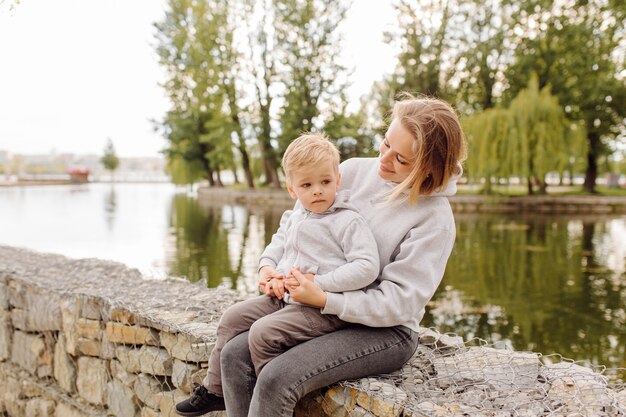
(488, 135)
(542, 135)
(529, 139)
(577, 47)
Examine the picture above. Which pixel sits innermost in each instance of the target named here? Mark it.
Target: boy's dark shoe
(200, 402)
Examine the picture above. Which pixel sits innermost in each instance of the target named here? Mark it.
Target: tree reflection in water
(548, 284)
(539, 283)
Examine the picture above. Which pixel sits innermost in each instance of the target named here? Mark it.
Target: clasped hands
(300, 286)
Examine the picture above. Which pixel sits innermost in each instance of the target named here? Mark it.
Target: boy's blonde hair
(309, 149)
(439, 144)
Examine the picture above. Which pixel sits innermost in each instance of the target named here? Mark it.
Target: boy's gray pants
(274, 327)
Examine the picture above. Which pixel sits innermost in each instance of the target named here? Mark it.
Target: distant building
(78, 174)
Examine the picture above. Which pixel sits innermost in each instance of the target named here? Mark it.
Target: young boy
(324, 238)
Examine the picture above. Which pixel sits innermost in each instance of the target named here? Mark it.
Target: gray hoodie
(336, 246)
(414, 243)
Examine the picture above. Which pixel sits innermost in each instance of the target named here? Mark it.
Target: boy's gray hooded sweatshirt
(336, 246)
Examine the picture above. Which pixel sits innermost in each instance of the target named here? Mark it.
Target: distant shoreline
(461, 203)
(38, 182)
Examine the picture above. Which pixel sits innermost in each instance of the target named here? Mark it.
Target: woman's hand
(266, 286)
(302, 289)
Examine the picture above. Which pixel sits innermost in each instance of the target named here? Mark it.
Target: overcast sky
(75, 73)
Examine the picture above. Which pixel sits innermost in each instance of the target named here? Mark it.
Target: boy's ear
(291, 192)
(338, 181)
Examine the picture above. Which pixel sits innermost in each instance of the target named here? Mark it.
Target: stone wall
(90, 337)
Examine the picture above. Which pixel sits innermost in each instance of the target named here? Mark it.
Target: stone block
(182, 375)
(168, 401)
(16, 293)
(131, 335)
(64, 367)
(149, 412)
(118, 372)
(310, 406)
(4, 296)
(108, 349)
(148, 389)
(88, 329)
(41, 312)
(338, 401)
(6, 333)
(65, 410)
(30, 387)
(31, 353)
(39, 407)
(89, 347)
(383, 399)
(129, 358)
(185, 348)
(69, 316)
(14, 406)
(499, 367)
(155, 361)
(92, 380)
(89, 308)
(95, 348)
(123, 316)
(121, 399)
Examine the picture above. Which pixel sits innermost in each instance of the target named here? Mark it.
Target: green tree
(308, 47)
(350, 131)
(483, 46)
(575, 46)
(262, 67)
(189, 49)
(529, 139)
(109, 160)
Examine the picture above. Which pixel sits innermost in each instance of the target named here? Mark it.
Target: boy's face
(315, 186)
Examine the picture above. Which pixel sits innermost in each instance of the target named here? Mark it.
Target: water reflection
(218, 245)
(110, 204)
(542, 284)
(549, 284)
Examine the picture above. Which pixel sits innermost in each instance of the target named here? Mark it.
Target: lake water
(551, 284)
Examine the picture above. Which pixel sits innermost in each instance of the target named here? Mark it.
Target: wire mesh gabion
(90, 337)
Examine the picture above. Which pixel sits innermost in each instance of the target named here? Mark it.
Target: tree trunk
(209, 174)
(218, 177)
(235, 176)
(543, 187)
(529, 183)
(591, 173)
(241, 145)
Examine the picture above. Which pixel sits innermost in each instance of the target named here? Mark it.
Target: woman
(402, 195)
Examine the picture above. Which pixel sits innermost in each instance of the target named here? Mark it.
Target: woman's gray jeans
(351, 353)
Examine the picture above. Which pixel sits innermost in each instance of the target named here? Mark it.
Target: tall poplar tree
(196, 125)
(308, 47)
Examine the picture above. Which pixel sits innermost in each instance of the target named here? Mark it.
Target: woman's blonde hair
(439, 144)
(309, 149)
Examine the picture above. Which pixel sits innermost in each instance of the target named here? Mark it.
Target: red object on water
(78, 174)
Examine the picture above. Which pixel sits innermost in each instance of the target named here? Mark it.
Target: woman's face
(396, 153)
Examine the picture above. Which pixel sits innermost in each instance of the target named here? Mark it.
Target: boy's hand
(266, 274)
(303, 290)
(275, 287)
